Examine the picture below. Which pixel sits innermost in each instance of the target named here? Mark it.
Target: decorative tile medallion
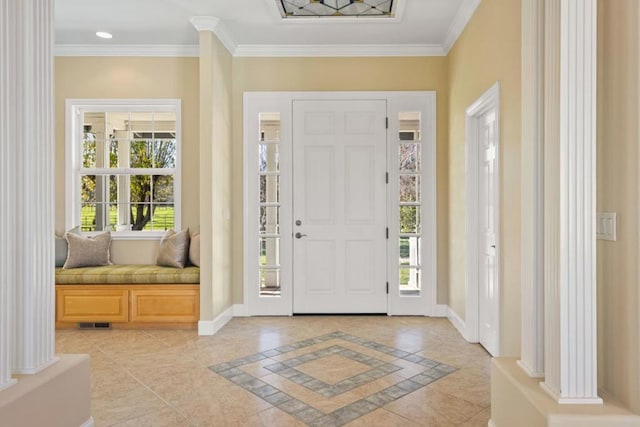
(372, 370)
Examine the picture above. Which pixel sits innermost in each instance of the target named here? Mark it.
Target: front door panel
(339, 198)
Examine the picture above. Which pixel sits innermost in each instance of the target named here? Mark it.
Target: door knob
(300, 235)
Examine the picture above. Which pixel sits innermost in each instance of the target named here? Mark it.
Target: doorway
(339, 200)
(483, 221)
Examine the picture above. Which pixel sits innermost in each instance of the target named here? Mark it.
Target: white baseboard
(440, 310)
(210, 327)
(240, 310)
(491, 424)
(88, 423)
(457, 322)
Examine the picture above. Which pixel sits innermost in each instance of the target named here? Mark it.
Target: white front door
(339, 206)
(488, 283)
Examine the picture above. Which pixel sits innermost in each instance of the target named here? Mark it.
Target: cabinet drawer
(92, 305)
(166, 305)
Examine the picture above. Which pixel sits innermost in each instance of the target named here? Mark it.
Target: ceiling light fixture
(337, 8)
(104, 35)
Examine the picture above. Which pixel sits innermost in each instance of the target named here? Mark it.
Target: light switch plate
(606, 226)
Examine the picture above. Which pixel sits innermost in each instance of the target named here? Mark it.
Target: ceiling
(420, 27)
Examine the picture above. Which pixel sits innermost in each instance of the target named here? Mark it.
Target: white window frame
(74, 111)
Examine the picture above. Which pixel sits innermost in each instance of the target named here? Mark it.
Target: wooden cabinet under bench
(125, 305)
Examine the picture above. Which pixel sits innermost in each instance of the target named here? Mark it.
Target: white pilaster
(31, 200)
(7, 132)
(532, 161)
(569, 149)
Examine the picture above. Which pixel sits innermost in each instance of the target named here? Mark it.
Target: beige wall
(488, 51)
(618, 179)
(340, 74)
(90, 77)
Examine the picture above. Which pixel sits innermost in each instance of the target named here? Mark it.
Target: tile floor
(317, 371)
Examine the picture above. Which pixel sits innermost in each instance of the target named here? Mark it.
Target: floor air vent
(94, 325)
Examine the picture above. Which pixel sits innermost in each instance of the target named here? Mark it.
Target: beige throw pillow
(174, 249)
(62, 248)
(194, 248)
(87, 251)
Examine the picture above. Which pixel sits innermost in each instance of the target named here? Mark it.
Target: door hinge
(386, 177)
(387, 287)
(387, 232)
(386, 122)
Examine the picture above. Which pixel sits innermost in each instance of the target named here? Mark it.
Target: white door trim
(489, 100)
(255, 102)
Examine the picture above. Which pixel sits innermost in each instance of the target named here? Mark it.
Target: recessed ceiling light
(104, 35)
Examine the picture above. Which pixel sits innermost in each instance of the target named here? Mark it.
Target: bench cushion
(127, 273)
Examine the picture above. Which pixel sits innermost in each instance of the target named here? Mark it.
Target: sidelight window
(269, 182)
(410, 202)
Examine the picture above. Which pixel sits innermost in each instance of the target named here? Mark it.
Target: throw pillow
(194, 248)
(62, 248)
(88, 251)
(174, 249)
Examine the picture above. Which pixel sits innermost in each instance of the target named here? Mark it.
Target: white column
(532, 161)
(31, 198)
(570, 256)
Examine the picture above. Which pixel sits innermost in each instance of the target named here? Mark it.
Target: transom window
(123, 159)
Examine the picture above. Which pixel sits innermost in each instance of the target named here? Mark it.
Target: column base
(59, 396)
(517, 399)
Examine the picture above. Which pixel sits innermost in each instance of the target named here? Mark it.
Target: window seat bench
(128, 296)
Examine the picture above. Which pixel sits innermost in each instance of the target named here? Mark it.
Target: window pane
(269, 126)
(410, 126)
(87, 216)
(88, 188)
(269, 282)
(269, 220)
(114, 160)
(162, 188)
(410, 219)
(410, 251)
(162, 219)
(409, 281)
(89, 153)
(409, 157)
(164, 153)
(141, 153)
(141, 125)
(95, 217)
(269, 158)
(269, 251)
(409, 188)
(269, 189)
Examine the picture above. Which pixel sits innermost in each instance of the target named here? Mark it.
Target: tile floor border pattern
(308, 414)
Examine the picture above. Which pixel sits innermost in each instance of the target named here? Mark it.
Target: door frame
(281, 102)
(488, 101)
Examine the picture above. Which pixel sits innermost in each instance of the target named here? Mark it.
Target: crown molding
(205, 23)
(338, 50)
(127, 50)
(146, 50)
(215, 25)
(463, 16)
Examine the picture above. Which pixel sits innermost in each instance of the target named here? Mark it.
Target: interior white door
(488, 279)
(339, 206)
